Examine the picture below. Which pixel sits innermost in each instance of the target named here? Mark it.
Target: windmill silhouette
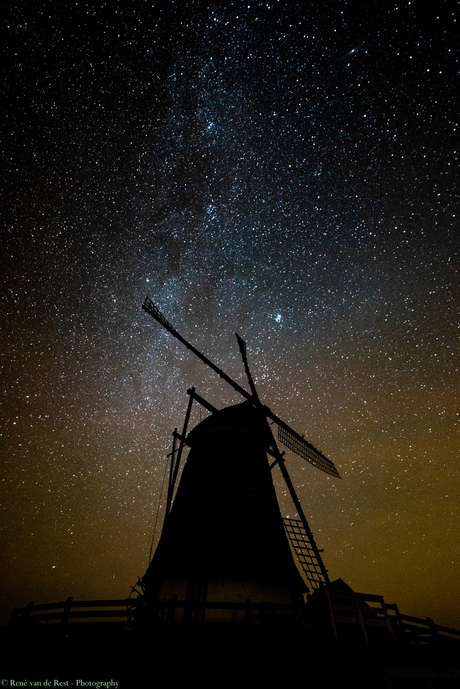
(226, 555)
(224, 522)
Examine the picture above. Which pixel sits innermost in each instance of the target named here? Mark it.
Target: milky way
(284, 171)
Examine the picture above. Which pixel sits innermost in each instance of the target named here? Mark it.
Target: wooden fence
(369, 612)
(131, 611)
(345, 610)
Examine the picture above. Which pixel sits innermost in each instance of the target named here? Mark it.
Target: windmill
(226, 492)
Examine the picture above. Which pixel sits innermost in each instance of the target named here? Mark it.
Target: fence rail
(344, 608)
(134, 610)
(370, 611)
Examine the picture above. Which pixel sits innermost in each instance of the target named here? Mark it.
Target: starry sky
(287, 171)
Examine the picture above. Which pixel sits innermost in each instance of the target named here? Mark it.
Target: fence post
(330, 609)
(66, 611)
(359, 613)
(433, 627)
(28, 610)
(13, 621)
(388, 620)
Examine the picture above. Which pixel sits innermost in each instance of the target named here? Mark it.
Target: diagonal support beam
(204, 403)
(175, 462)
(302, 517)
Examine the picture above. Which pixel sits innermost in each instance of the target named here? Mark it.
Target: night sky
(287, 171)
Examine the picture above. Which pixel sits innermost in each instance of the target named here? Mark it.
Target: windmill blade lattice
(301, 447)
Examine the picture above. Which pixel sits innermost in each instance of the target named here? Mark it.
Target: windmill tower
(225, 552)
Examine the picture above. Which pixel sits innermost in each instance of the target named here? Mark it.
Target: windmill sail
(304, 546)
(286, 435)
(301, 447)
